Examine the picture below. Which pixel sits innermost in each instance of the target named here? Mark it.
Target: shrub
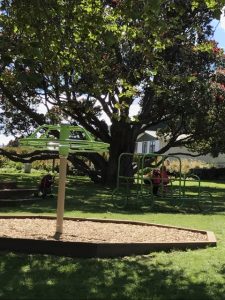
(187, 165)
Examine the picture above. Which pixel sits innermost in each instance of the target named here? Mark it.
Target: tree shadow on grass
(85, 196)
(50, 277)
(21, 179)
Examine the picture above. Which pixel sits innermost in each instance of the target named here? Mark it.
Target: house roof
(148, 135)
(153, 133)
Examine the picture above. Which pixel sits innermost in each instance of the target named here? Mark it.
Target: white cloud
(5, 139)
(134, 110)
(222, 19)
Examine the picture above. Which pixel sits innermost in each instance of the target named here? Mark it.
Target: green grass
(196, 274)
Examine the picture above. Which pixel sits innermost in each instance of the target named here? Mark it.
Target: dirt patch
(96, 232)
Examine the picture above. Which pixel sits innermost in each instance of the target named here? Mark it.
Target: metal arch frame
(126, 188)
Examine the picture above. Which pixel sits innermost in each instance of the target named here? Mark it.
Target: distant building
(149, 142)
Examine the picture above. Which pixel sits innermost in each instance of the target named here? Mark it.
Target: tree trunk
(123, 138)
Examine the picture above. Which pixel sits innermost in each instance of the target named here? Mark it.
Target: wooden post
(61, 194)
(63, 154)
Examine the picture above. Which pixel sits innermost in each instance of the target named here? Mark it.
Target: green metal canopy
(56, 137)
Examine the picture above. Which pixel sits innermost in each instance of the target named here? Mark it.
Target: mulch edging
(101, 250)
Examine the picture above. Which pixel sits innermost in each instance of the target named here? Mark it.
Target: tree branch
(22, 106)
(29, 157)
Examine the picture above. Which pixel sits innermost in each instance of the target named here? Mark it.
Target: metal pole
(61, 194)
(63, 154)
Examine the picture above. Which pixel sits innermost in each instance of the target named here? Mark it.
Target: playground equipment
(65, 139)
(133, 188)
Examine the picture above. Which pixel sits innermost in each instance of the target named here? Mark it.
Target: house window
(144, 147)
(136, 147)
(151, 146)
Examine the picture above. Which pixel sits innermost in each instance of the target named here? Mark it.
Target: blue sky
(219, 36)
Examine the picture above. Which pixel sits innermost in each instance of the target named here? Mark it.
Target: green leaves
(214, 5)
(144, 51)
(204, 47)
(211, 4)
(191, 78)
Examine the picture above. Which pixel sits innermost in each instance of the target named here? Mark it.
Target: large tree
(210, 133)
(82, 58)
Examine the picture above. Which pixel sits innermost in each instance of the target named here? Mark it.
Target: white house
(148, 142)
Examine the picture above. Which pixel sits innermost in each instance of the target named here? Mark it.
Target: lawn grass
(196, 274)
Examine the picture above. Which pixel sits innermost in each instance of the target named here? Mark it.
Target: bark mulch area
(96, 232)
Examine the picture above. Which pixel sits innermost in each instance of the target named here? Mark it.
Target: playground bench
(8, 185)
(17, 196)
(16, 193)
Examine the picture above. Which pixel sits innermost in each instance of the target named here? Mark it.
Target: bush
(187, 165)
(212, 173)
(45, 165)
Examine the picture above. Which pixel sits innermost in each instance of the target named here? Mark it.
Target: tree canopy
(79, 59)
